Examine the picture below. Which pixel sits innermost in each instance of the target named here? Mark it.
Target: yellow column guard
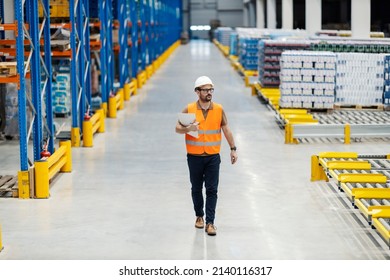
(87, 134)
(112, 107)
(42, 179)
(75, 136)
(24, 184)
(127, 91)
(120, 99)
(45, 169)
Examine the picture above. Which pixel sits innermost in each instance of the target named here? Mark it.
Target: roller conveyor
(344, 125)
(381, 222)
(365, 181)
(368, 206)
(353, 117)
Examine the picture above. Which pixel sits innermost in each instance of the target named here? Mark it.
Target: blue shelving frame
(41, 127)
(134, 38)
(123, 17)
(80, 65)
(142, 34)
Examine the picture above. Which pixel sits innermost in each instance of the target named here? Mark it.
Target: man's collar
(200, 108)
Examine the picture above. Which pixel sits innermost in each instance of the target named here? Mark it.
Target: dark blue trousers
(204, 169)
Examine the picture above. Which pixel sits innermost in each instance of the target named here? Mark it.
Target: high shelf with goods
(35, 116)
(101, 12)
(122, 17)
(80, 66)
(142, 34)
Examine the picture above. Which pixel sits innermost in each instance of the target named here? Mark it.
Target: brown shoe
(211, 229)
(199, 223)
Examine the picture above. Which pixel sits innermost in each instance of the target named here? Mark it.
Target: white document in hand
(187, 119)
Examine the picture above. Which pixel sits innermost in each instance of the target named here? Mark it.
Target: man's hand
(193, 127)
(233, 157)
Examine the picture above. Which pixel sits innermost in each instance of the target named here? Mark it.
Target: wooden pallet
(8, 68)
(378, 107)
(8, 186)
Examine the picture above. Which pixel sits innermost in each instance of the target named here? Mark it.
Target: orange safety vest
(209, 140)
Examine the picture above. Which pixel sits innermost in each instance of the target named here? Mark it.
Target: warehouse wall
(201, 12)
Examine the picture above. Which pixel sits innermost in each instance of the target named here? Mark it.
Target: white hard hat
(203, 80)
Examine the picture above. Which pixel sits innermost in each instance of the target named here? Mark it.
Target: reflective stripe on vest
(194, 143)
(216, 131)
(209, 140)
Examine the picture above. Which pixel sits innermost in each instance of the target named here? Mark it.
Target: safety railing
(92, 125)
(141, 79)
(115, 103)
(130, 89)
(149, 71)
(47, 168)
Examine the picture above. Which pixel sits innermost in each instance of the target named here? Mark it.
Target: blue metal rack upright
(142, 33)
(2, 17)
(151, 31)
(41, 74)
(134, 38)
(80, 66)
(123, 32)
(110, 48)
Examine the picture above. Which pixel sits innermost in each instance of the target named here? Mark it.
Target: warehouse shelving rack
(123, 32)
(80, 66)
(29, 58)
(134, 38)
(142, 22)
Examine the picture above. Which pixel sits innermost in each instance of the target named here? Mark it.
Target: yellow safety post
(87, 133)
(75, 136)
(102, 126)
(287, 133)
(135, 86)
(24, 184)
(121, 94)
(42, 179)
(139, 81)
(104, 107)
(67, 167)
(254, 90)
(347, 134)
(317, 172)
(127, 91)
(149, 71)
(112, 107)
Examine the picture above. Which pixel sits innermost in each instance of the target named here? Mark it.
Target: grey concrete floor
(128, 197)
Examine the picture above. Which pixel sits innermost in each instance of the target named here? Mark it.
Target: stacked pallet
(269, 57)
(307, 79)
(359, 79)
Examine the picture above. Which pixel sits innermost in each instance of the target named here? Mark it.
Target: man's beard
(207, 98)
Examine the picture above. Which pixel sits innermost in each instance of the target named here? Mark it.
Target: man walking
(203, 152)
